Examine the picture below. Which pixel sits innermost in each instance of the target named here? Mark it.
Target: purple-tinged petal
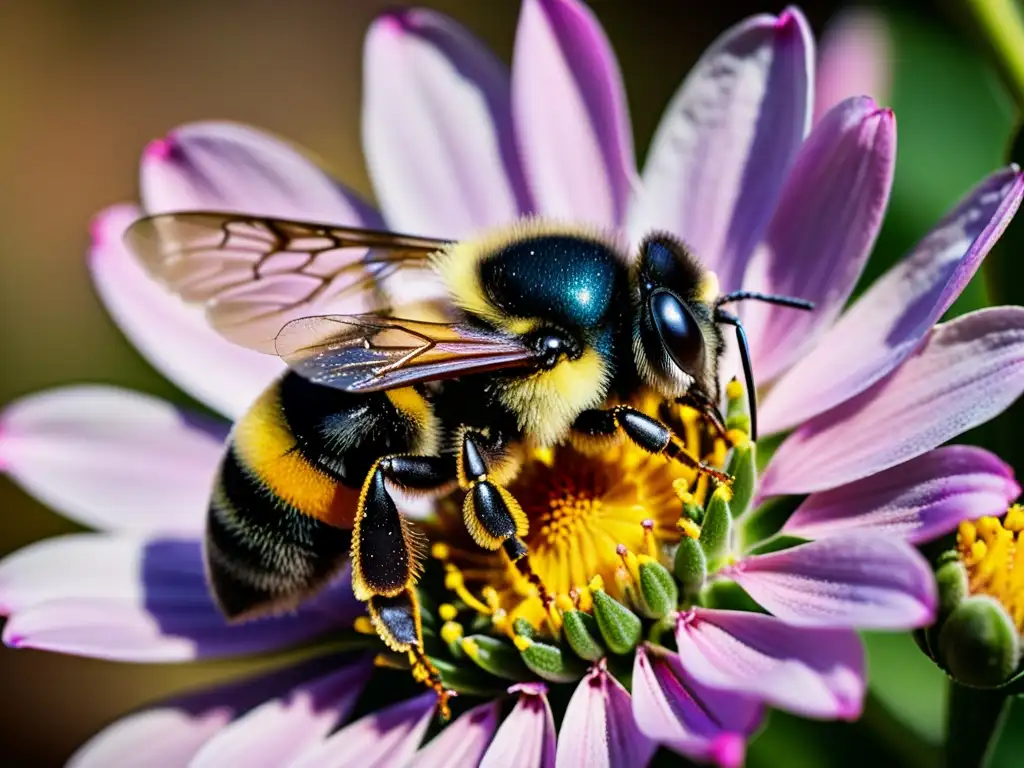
(222, 166)
(855, 58)
(112, 458)
(527, 737)
(570, 113)
(437, 128)
(382, 739)
(676, 710)
(919, 500)
(278, 731)
(966, 372)
(169, 734)
(863, 581)
(599, 729)
(824, 228)
(463, 742)
(173, 336)
(811, 672)
(127, 599)
(727, 140)
(884, 325)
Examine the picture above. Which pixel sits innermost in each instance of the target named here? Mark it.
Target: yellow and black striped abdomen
(281, 513)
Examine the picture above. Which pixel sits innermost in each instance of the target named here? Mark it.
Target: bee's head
(676, 343)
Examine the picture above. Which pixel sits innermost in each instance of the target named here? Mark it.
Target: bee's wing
(254, 274)
(365, 353)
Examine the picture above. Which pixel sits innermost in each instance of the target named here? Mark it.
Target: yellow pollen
(451, 632)
(993, 555)
(689, 528)
(596, 584)
(564, 603)
(440, 551)
(522, 643)
(447, 611)
(364, 626)
(738, 437)
(734, 390)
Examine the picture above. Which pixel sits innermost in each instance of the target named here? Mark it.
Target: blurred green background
(84, 85)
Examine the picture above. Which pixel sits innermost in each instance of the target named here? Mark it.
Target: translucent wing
(364, 353)
(254, 274)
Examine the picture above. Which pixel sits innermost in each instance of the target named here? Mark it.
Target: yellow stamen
(564, 603)
(447, 612)
(734, 390)
(993, 554)
(389, 661)
(689, 528)
(471, 648)
(522, 643)
(451, 632)
(738, 437)
(440, 551)
(364, 626)
(454, 583)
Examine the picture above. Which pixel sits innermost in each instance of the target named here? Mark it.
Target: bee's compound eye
(679, 332)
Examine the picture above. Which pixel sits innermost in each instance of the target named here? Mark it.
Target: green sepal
(497, 656)
(658, 591)
(619, 626)
(978, 644)
(467, 679)
(522, 627)
(552, 663)
(716, 530)
(742, 468)
(951, 578)
(691, 566)
(582, 633)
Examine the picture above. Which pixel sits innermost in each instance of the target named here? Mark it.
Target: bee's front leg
(492, 515)
(597, 425)
(387, 557)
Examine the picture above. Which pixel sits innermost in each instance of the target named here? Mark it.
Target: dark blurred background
(84, 85)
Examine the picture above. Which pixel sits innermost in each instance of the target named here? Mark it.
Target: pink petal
(382, 739)
(675, 709)
(221, 166)
(278, 731)
(170, 733)
(598, 728)
(463, 742)
(437, 128)
(570, 112)
(720, 156)
(966, 372)
(112, 458)
(863, 581)
(855, 58)
(818, 242)
(172, 336)
(527, 737)
(811, 672)
(885, 324)
(129, 599)
(919, 500)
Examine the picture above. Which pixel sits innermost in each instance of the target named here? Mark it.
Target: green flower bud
(467, 679)
(522, 627)
(691, 566)
(737, 412)
(582, 633)
(978, 644)
(951, 577)
(549, 661)
(716, 532)
(496, 656)
(619, 626)
(743, 469)
(658, 591)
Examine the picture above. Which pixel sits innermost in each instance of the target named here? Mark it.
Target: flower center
(993, 555)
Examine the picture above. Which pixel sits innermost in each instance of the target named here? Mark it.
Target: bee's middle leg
(491, 513)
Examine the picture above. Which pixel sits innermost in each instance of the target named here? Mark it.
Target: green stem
(973, 723)
(1000, 25)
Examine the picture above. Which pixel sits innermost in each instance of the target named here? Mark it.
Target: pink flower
(456, 144)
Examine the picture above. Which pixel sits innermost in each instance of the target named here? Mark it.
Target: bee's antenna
(767, 298)
(748, 371)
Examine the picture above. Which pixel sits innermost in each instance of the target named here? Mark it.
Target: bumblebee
(533, 335)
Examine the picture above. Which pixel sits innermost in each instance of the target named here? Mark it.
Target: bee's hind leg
(492, 515)
(387, 558)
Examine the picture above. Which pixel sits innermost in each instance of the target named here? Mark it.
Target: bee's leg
(397, 621)
(645, 431)
(708, 410)
(387, 557)
(492, 515)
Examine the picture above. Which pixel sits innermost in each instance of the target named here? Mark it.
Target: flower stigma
(990, 550)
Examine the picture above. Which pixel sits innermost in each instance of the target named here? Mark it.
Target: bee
(532, 331)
